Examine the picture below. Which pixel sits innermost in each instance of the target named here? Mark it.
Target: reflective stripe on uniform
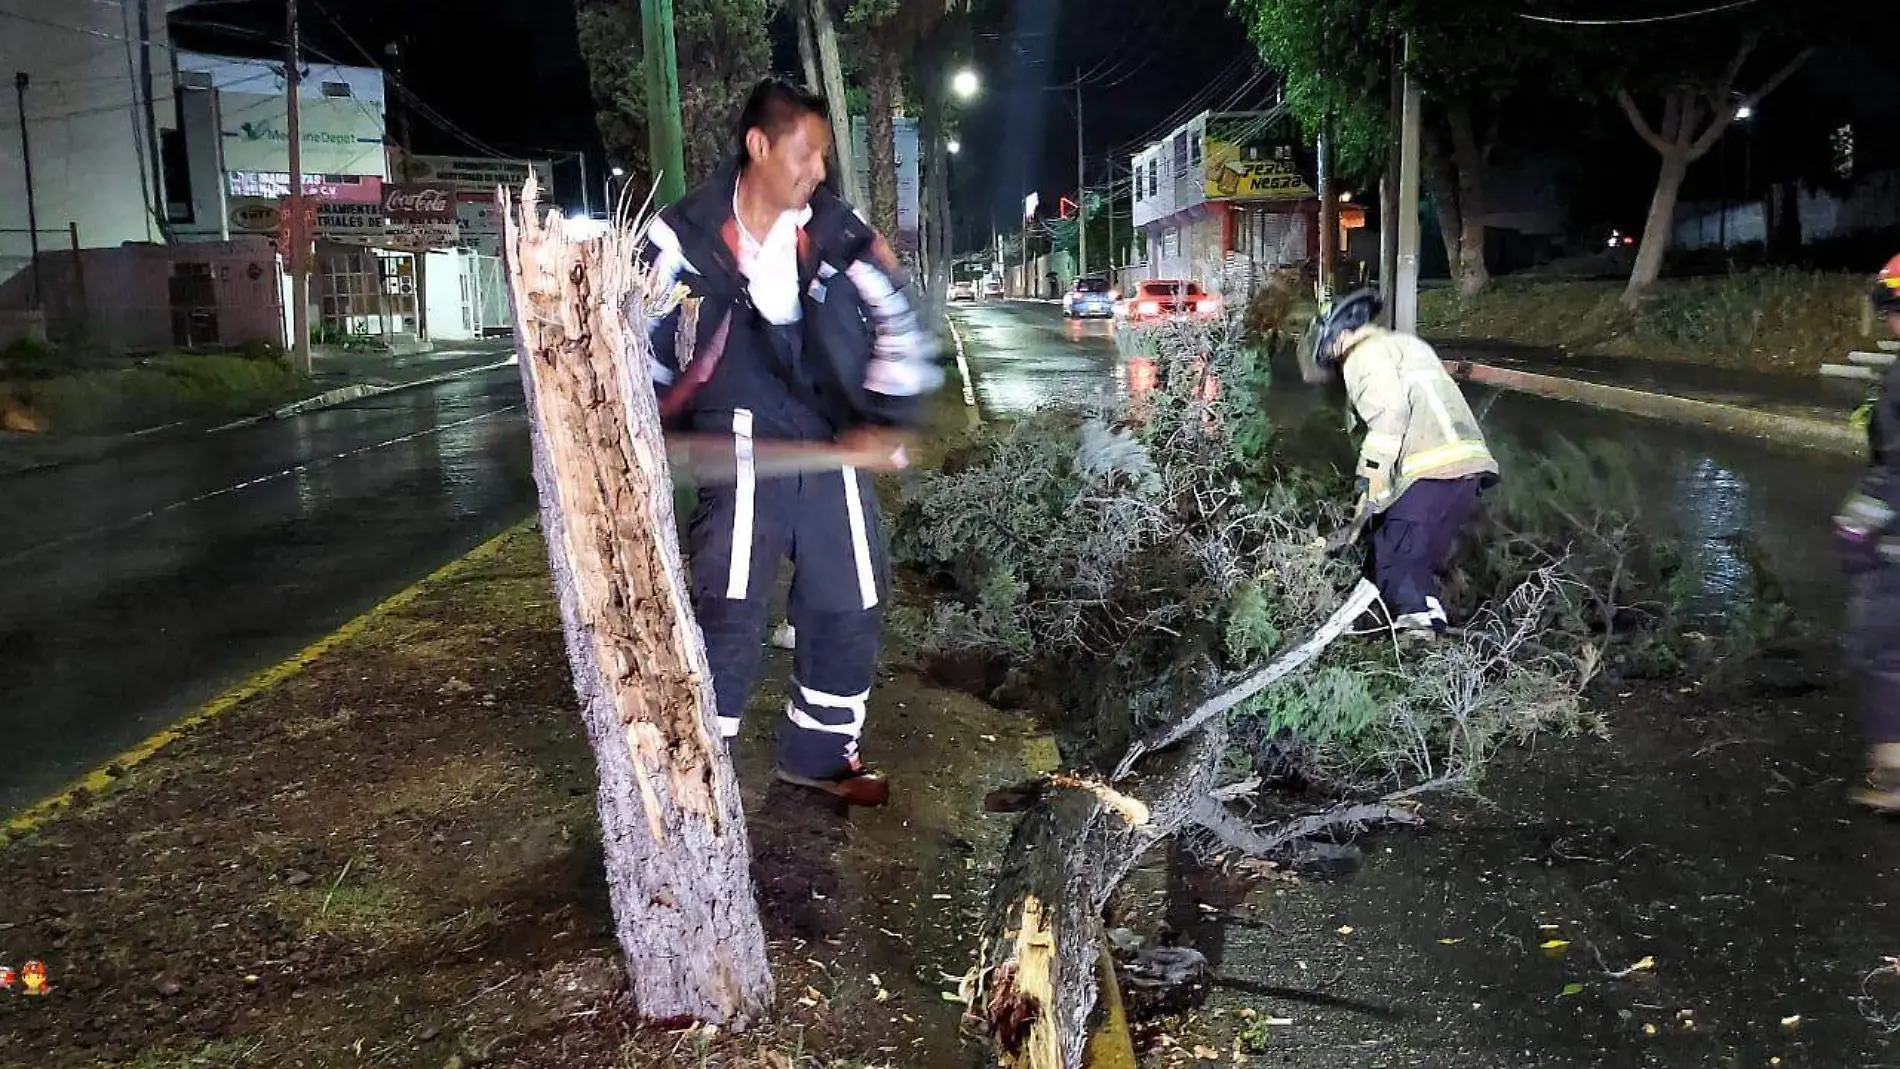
(860, 538)
(1445, 456)
(856, 705)
(728, 727)
(739, 566)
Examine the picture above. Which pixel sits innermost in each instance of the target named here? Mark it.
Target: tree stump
(677, 857)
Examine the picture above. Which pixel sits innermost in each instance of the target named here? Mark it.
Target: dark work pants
(1873, 636)
(826, 522)
(1414, 538)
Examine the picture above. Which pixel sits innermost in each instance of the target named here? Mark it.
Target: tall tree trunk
(1441, 183)
(831, 69)
(678, 863)
(881, 134)
(1468, 163)
(807, 48)
(1658, 227)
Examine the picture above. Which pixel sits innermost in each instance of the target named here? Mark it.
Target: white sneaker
(785, 638)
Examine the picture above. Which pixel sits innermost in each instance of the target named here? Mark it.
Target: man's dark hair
(775, 107)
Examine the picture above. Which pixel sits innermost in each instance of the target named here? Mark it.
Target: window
(1154, 182)
(338, 89)
(1178, 155)
(1194, 150)
(175, 171)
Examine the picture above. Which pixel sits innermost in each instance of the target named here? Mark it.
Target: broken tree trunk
(678, 862)
(1036, 983)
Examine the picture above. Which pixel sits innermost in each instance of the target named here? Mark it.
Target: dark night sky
(507, 74)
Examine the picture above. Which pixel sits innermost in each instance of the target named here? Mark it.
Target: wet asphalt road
(1708, 487)
(138, 587)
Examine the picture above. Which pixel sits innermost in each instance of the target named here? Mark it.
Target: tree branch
(1237, 834)
(1643, 129)
(1362, 598)
(1729, 112)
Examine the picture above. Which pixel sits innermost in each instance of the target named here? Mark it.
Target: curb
(345, 394)
(101, 778)
(1729, 419)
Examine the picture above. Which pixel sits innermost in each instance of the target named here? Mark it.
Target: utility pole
(668, 143)
(1405, 296)
(1389, 194)
(1328, 214)
(587, 188)
(299, 237)
(32, 206)
(394, 52)
(161, 216)
(1081, 188)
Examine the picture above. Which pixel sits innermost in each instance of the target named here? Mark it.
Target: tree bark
(1468, 164)
(1442, 184)
(881, 132)
(831, 69)
(677, 859)
(1036, 985)
(807, 49)
(1658, 226)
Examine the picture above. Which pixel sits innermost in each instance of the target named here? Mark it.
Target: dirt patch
(394, 859)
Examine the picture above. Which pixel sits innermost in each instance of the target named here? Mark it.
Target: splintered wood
(678, 861)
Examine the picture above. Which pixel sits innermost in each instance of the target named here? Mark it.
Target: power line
(1640, 20)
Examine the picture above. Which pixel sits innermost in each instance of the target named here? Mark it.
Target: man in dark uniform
(804, 335)
(1871, 556)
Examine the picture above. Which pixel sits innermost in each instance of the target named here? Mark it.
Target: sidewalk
(1807, 412)
(339, 378)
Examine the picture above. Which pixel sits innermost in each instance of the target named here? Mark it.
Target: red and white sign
(419, 204)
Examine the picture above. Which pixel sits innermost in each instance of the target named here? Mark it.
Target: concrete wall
(85, 122)
(126, 299)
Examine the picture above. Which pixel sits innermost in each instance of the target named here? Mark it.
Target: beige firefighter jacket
(1418, 425)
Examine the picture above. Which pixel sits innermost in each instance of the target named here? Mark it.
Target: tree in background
(1690, 76)
(1474, 62)
(723, 50)
(890, 32)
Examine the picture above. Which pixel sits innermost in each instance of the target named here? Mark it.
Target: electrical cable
(1638, 20)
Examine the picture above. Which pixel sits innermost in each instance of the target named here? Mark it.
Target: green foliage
(723, 49)
(162, 390)
(31, 358)
(1767, 319)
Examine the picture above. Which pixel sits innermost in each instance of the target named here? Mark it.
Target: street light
(1744, 113)
(954, 147)
(965, 84)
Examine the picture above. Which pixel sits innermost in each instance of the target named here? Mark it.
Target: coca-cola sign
(419, 204)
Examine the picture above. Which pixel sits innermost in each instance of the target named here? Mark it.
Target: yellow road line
(105, 775)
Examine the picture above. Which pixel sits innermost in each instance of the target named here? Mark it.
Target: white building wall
(85, 121)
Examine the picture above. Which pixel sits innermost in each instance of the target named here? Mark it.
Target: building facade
(1225, 198)
(95, 137)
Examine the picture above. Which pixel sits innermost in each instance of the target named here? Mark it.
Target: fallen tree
(1161, 577)
(678, 860)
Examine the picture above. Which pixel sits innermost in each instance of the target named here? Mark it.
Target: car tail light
(1149, 308)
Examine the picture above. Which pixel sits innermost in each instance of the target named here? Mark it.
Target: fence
(145, 298)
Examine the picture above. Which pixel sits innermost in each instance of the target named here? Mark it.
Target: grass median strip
(390, 856)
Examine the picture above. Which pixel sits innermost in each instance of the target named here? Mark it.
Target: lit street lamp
(954, 147)
(965, 84)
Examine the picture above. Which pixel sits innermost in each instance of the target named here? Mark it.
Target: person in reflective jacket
(1423, 463)
(1870, 555)
(800, 338)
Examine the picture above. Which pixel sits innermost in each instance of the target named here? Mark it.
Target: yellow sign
(1229, 177)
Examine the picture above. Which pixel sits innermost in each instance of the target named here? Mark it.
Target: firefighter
(1871, 557)
(804, 335)
(1422, 466)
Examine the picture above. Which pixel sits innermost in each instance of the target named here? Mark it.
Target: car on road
(1162, 299)
(963, 291)
(1089, 297)
(992, 289)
